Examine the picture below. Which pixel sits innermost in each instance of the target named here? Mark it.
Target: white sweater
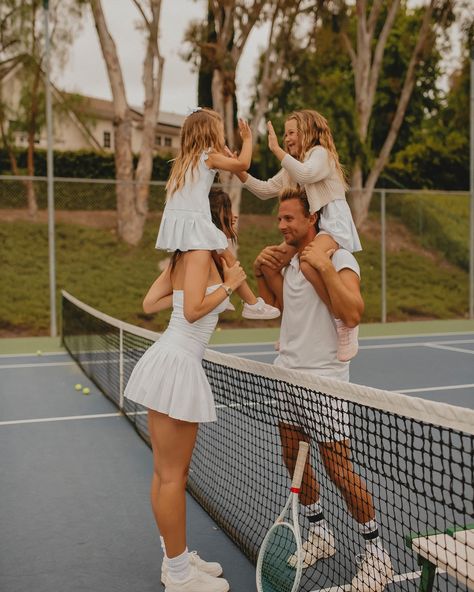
(317, 173)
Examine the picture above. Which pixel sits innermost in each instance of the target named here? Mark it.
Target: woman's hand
(233, 275)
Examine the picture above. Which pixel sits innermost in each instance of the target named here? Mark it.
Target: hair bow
(191, 110)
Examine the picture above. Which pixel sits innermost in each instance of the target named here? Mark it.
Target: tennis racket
(276, 568)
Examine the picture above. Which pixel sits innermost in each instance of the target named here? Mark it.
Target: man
(308, 342)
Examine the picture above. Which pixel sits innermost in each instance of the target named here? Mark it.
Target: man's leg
(375, 569)
(320, 543)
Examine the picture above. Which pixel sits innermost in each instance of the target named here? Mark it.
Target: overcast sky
(86, 71)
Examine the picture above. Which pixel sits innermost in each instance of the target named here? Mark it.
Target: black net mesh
(416, 475)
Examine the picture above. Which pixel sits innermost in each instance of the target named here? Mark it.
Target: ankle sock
(178, 567)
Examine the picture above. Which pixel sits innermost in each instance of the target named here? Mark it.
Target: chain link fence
(415, 263)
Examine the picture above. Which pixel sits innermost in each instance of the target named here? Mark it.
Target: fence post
(50, 174)
(383, 256)
(471, 179)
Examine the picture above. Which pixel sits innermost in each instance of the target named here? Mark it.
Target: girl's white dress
(169, 377)
(187, 223)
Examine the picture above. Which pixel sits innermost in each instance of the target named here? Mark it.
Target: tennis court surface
(75, 477)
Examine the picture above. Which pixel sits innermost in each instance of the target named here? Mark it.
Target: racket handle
(299, 468)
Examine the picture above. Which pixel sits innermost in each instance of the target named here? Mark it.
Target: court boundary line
(70, 418)
(364, 338)
(413, 575)
(39, 364)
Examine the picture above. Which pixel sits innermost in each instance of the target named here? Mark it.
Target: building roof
(104, 109)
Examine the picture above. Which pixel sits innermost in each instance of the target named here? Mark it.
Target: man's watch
(228, 289)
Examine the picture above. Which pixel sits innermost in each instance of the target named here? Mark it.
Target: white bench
(451, 551)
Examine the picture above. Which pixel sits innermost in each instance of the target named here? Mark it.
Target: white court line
(450, 348)
(380, 346)
(414, 575)
(451, 387)
(70, 418)
(38, 365)
(35, 355)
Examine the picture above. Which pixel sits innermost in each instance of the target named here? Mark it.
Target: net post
(121, 368)
(383, 256)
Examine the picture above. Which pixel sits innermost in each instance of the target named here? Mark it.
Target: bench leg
(428, 572)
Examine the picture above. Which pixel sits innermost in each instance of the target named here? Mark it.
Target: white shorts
(336, 220)
(321, 417)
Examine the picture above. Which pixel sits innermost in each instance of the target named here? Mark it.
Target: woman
(169, 380)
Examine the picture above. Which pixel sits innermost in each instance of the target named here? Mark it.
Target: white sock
(178, 567)
(163, 547)
(370, 533)
(315, 515)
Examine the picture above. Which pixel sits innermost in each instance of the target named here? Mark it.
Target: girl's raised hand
(272, 137)
(244, 129)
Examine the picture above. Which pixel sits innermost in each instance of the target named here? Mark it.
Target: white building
(84, 123)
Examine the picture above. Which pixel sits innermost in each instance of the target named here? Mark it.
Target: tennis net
(416, 457)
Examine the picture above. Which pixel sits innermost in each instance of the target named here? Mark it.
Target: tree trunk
(366, 74)
(122, 127)
(152, 81)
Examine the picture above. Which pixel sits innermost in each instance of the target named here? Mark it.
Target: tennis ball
(39, 352)
(86, 390)
(78, 387)
(218, 329)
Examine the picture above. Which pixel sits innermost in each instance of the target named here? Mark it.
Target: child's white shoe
(260, 311)
(347, 341)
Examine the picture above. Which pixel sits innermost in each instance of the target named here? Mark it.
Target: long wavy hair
(202, 129)
(221, 214)
(315, 131)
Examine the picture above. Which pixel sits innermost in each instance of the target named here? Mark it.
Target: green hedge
(81, 164)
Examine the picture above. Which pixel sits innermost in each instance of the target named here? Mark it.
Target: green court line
(32, 345)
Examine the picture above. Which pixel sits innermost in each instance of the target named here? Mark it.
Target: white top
(317, 173)
(187, 223)
(308, 339)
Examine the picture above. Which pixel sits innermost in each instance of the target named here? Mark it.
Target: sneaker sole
(260, 317)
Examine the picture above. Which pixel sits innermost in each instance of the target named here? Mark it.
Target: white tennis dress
(187, 223)
(169, 377)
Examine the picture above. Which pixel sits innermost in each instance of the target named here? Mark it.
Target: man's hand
(272, 257)
(316, 257)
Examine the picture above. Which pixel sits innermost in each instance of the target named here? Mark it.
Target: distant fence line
(441, 220)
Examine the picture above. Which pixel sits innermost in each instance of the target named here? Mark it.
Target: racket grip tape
(299, 467)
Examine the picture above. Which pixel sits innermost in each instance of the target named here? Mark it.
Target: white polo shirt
(308, 339)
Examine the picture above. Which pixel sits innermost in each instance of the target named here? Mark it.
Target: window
(168, 141)
(158, 140)
(107, 140)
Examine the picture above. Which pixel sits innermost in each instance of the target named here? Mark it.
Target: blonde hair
(315, 131)
(201, 130)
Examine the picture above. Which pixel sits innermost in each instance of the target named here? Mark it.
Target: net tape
(416, 456)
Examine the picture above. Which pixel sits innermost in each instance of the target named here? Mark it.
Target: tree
(217, 46)
(366, 52)
(23, 43)
(132, 198)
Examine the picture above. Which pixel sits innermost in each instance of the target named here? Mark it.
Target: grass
(96, 267)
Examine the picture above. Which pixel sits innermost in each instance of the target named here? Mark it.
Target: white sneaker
(198, 581)
(260, 310)
(347, 341)
(374, 573)
(211, 568)
(318, 546)
(230, 306)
